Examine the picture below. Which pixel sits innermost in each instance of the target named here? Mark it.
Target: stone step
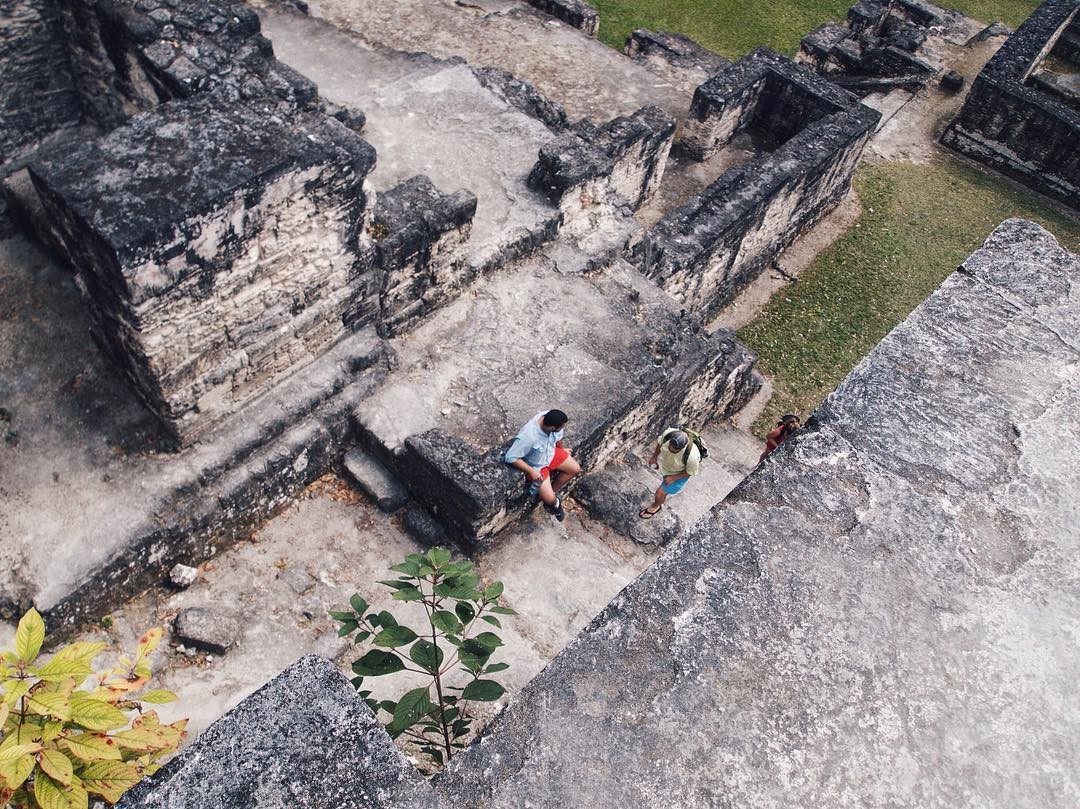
(375, 481)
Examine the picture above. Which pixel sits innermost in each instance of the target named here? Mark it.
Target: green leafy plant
(60, 743)
(449, 649)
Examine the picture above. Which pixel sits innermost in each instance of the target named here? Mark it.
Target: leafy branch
(455, 606)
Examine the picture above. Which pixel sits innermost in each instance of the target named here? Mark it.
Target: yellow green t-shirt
(671, 463)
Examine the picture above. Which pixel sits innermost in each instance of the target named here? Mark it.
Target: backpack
(695, 441)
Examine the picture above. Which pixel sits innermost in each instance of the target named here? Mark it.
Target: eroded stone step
(375, 480)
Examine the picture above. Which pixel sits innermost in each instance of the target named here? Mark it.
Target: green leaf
(408, 594)
(438, 557)
(388, 706)
(491, 619)
(14, 689)
(358, 604)
(57, 766)
(159, 696)
(57, 670)
(387, 620)
(347, 628)
(48, 793)
(436, 755)
(17, 770)
(446, 622)
(483, 691)
(395, 636)
(339, 615)
(94, 714)
(362, 636)
(426, 655)
(92, 747)
(47, 703)
(495, 667)
(489, 640)
(465, 611)
(412, 707)
(473, 656)
(397, 585)
(376, 663)
(29, 636)
(357, 682)
(502, 610)
(110, 779)
(408, 568)
(493, 591)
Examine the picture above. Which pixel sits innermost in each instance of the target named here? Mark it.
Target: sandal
(646, 514)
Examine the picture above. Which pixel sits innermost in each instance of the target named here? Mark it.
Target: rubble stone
(183, 576)
(208, 629)
(523, 96)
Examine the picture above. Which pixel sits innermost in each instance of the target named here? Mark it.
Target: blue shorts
(673, 488)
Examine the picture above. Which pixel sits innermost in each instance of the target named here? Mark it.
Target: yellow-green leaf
(159, 696)
(15, 772)
(83, 652)
(92, 747)
(29, 636)
(56, 765)
(10, 750)
(109, 779)
(148, 643)
(94, 714)
(14, 689)
(50, 704)
(48, 793)
(57, 670)
(4, 711)
(77, 796)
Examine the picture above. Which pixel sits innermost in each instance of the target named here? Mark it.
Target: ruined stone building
(382, 234)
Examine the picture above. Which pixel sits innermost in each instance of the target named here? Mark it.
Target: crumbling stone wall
(576, 13)
(218, 247)
(37, 94)
(704, 252)
(1018, 129)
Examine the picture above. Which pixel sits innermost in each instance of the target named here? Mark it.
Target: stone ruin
(1022, 116)
(292, 258)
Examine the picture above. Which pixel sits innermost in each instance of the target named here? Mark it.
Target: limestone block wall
(576, 13)
(1017, 129)
(618, 164)
(422, 235)
(37, 94)
(704, 252)
(218, 247)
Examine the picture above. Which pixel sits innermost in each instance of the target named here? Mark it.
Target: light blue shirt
(533, 444)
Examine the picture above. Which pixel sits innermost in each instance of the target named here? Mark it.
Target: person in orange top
(787, 425)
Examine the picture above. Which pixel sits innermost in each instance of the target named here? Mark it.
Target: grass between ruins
(735, 27)
(918, 224)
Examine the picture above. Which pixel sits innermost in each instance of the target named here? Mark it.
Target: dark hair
(554, 418)
(788, 423)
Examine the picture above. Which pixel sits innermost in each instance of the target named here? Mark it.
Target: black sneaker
(557, 510)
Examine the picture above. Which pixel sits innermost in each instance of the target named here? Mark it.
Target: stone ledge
(575, 13)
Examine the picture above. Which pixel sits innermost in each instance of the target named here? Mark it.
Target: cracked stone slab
(895, 584)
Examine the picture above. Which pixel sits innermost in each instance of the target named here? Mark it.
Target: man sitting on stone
(677, 458)
(538, 451)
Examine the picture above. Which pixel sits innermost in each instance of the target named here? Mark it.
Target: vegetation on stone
(62, 746)
(918, 224)
(435, 716)
(735, 27)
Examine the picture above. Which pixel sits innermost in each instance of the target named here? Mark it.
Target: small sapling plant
(62, 744)
(453, 648)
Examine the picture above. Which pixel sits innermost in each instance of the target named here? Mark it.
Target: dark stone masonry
(704, 252)
(878, 590)
(225, 256)
(1019, 129)
(576, 13)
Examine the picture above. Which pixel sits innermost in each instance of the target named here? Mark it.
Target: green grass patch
(735, 27)
(918, 224)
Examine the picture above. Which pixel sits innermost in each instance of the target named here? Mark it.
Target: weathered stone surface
(37, 94)
(615, 498)
(298, 579)
(375, 480)
(1019, 130)
(675, 53)
(424, 528)
(952, 81)
(219, 248)
(523, 96)
(421, 251)
(304, 739)
(576, 13)
(709, 248)
(618, 164)
(208, 629)
(183, 576)
(866, 595)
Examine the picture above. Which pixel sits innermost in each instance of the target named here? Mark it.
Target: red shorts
(556, 459)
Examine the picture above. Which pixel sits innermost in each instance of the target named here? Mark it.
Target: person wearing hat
(678, 459)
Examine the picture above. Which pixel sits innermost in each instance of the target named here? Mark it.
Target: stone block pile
(1019, 128)
(576, 13)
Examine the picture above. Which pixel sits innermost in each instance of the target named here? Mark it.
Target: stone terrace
(880, 590)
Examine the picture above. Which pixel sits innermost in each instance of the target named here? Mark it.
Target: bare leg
(565, 471)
